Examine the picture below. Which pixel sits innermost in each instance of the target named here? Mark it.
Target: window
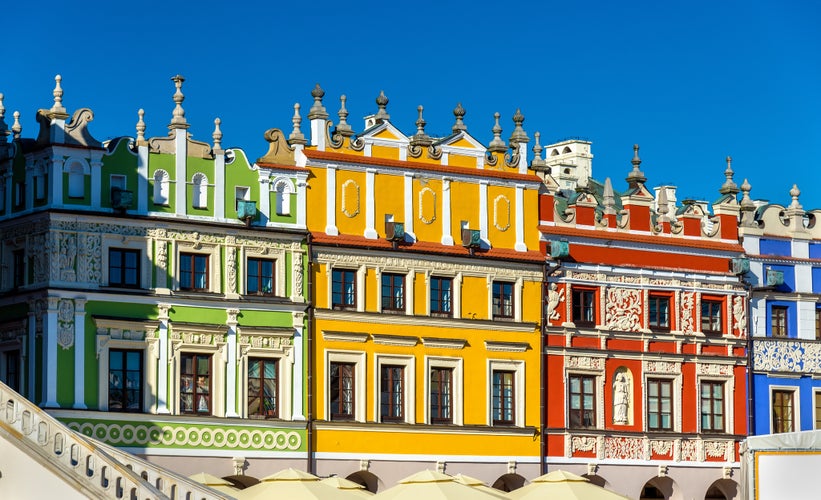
(193, 272)
(342, 391)
(11, 363)
(659, 313)
(125, 380)
(441, 299)
(711, 316)
(659, 405)
(123, 267)
(241, 193)
(582, 395)
(783, 411)
(712, 406)
(343, 289)
(393, 292)
(20, 194)
(502, 300)
(76, 181)
(503, 399)
(260, 277)
(18, 268)
(817, 396)
(263, 388)
(441, 395)
(391, 394)
(778, 321)
(161, 189)
(40, 186)
(282, 195)
(195, 384)
(117, 182)
(818, 324)
(584, 307)
(199, 188)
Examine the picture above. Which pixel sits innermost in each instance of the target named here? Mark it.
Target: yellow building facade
(426, 284)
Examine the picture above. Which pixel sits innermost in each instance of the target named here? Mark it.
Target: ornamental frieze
(658, 447)
(787, 356)
(688, 300)
(669, 367)
(434, 265)
(714, 369)
(585, 362)
(623, 309)
(688, 450)
(583, 443)
(624, 448)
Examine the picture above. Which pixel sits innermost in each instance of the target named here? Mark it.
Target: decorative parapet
(793, 356)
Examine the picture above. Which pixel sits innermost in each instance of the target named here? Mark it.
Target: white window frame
(816, 392)
(518, 367)
(456, 291)
(729, 406)
(129, 243)
(358, 358)
(408, 274)
(600, 381)
(199, 190)
(278, 256)
(285, 366)
(457, 391)
(162, 189)
(796, 401)
(212, 251)
(218, 367)
(409, 385)
(518, 284)
(106, 342)
(283, 190)
(675, 401)
(360, 284)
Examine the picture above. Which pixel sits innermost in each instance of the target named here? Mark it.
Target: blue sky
(691, 82)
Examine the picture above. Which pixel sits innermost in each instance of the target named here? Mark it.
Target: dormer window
(76, 181)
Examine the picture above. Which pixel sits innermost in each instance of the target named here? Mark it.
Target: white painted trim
(483, 213)
(447, 237)
(180, 161)
(796, 401)
(457, 388)
(408, 197)
(520, 245)
(96, 178)
(297, 404)
(50, 357)
(408, 363)
(215, 452)
(518, 367)
(359, 359)
(231, 371)
(79, 353)
(330, 201)
(219, 186)
(142, 180)
(370, 204)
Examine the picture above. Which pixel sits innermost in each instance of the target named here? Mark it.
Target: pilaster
(79, 353)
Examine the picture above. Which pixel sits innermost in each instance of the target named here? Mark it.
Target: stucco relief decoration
(350, 198)
(687, 308)
(297, 276)
(739, 318)
(714, 369)
(585, 362)
(624, 309)
(812, 358)
(40, 258)
(715, 449)
(67, 257)
(427, 205)
(787, 356)
(231, 265)
(89, 262)
(622, 390)
(265, 342)
(662, 367)
(65, 323)
(689, 450)
(555, 296)
(661, 447)
(501, 213)
(624, 448)
(584, 443)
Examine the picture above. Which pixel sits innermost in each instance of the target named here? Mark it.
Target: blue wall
(803, 397)
(792, 317)
(782, 248)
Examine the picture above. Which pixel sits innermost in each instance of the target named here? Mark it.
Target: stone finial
(4, 128)
(459, 113)
(382, 103)
(661, 205)
(746, 202)
(178, 119)
(608, 197)
(497, 145)
(795, 193)
(518, 136)
(141, 128)
(16, 128)
(420, 138)
(57, 110)
(317, 111)
(296, 136)
(729, 186)
(217, 135)
(537, 161)
(343, 128)
(636, 176)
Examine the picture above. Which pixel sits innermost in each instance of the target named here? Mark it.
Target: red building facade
(645, 338)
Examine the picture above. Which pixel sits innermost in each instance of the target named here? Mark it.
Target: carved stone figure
(554, 298)
(621, 399)
(740, 323)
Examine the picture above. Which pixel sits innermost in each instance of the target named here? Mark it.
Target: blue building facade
(783, 244)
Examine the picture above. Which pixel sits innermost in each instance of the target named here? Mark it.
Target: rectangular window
(659, 313)
(391, 397)
(195, 384)
(123, 268)
(11, 360)
(441, 298)
(817, 396)
(502, 300)
(125, 380)
(18, 268)
(260, 277)
(393, 292)
(783, 420)
(818, 324)
(503, 400)
(711, 316)
(441, 395)
(582, 395)
(712, 406)
(778, 321)
(193, 272)
(263, 388)
(659, 405)
(342, 392)
(584, 307)
(343, 289)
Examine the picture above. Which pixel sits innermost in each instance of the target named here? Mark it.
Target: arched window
(200, 190)
(282, 190)
(566, 150)
(161, 187)
(76, 181)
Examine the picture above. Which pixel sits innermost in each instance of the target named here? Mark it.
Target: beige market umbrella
(432, 485)
(293, 485)
(215, 483)
(564, 485)
(347, 485)
(479, 485)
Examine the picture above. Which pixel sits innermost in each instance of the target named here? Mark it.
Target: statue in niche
(621, 399)
(554, 298)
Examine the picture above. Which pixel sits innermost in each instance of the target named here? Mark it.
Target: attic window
(76, 181)
(566, 150)
(567, 171)
(161, 180)
(200, 190)
(555, 152)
